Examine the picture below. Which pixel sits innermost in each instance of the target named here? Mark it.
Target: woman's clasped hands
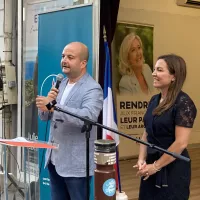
(144, 170)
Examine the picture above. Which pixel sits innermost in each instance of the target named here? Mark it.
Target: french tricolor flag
(109, 114)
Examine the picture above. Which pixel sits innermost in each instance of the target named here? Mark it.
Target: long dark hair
(177, 67)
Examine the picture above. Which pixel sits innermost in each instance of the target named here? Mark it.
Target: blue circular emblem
(109, 187)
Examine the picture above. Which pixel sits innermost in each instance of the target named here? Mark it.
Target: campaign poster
(132, 58)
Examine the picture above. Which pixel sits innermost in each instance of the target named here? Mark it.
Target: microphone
(59, 78)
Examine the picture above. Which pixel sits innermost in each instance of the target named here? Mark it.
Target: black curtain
(108, 18)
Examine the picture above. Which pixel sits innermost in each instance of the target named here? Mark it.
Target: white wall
(176, 30)
(168, 6)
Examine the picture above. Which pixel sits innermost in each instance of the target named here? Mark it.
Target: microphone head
(59, 77)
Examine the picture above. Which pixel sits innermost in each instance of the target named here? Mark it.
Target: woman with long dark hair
(168, 123)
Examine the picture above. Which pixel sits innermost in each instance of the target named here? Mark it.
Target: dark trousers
(66, 188)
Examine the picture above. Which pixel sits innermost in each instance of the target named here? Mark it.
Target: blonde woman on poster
(136, 74)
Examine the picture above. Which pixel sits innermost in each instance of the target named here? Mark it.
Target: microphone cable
(45, 139)
(47, 123)
(49, 115)
(59, 76)
(41, 88)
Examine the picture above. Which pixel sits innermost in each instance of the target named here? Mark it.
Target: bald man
(80, 94)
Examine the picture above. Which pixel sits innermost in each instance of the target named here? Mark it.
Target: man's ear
(83, 63)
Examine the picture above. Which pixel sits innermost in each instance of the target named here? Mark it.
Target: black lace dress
(173, 181)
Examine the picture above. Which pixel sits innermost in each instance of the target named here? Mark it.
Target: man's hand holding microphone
(43, 102)
(47, 103)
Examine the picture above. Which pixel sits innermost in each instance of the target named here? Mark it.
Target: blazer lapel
(61, 89)
(76, 87)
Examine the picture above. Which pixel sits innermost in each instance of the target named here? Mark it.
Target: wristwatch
(51, 104)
